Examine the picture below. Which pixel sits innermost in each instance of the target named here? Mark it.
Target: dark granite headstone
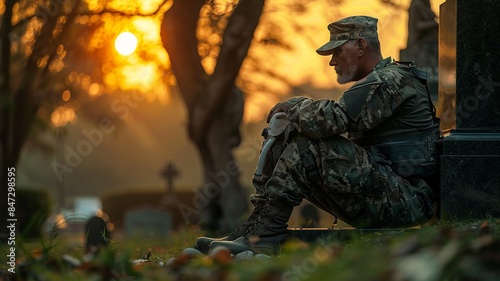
(469, 107)
(97, 234)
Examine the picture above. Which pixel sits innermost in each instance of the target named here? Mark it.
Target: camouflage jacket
(388, 100)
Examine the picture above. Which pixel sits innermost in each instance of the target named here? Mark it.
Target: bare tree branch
(392, 4)
(128, 14)
(100, 13)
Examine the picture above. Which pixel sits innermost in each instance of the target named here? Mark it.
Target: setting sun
(125, 43)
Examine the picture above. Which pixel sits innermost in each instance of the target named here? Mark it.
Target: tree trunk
(6, 107)
(214, 103)
(18, 107)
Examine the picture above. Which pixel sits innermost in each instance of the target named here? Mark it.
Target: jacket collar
(383, 63)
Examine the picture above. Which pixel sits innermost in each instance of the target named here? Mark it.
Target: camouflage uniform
(357, 182)
(372, 178)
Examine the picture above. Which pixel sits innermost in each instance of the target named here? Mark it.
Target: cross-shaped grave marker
(169, 173)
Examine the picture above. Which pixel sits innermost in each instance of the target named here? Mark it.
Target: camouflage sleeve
(317, 118)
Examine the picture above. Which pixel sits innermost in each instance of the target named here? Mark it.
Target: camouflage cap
(349, 28)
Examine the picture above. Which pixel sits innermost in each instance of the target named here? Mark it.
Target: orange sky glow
(301, 66)
(305, 66)
(156, 130)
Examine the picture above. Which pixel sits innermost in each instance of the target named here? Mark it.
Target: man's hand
(279, 107)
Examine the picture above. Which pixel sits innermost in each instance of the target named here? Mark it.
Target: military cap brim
(328, 48)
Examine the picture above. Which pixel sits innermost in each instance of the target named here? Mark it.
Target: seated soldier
(373, 178)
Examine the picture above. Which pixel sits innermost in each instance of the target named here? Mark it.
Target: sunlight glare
(126, 43)
(62, 116)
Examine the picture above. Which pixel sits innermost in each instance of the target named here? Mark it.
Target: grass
(447, 251)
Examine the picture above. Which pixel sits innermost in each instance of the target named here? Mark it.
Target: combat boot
(202, 243)
(267, 232)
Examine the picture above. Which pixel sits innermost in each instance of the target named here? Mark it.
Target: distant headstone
(309, 216)
(469, 108)
(422, 24)
(169, 173)
(422, 43)
(147, 222)
(97, 233)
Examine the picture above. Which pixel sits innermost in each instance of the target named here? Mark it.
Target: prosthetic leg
(276, 137)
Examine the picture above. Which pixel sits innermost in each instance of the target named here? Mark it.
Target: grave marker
(309, 216)
(422, 43)
(469, 108)
(147, 222)
(97, 234)
(169, 173)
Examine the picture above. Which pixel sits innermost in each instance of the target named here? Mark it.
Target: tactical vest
(412, 152)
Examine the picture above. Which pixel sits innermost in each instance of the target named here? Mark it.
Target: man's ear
(361, 46)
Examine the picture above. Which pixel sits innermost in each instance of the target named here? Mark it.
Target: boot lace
(255, 226)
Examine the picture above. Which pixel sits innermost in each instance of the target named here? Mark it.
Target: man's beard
(344, 78)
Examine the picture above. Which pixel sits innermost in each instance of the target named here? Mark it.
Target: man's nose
(333, 62)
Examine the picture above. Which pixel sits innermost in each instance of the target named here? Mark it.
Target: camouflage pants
(357, 185)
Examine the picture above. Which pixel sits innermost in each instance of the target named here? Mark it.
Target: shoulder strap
(421, 75)
(354, 99)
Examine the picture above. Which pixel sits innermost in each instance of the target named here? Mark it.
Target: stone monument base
(340, 235)
(470, 174)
